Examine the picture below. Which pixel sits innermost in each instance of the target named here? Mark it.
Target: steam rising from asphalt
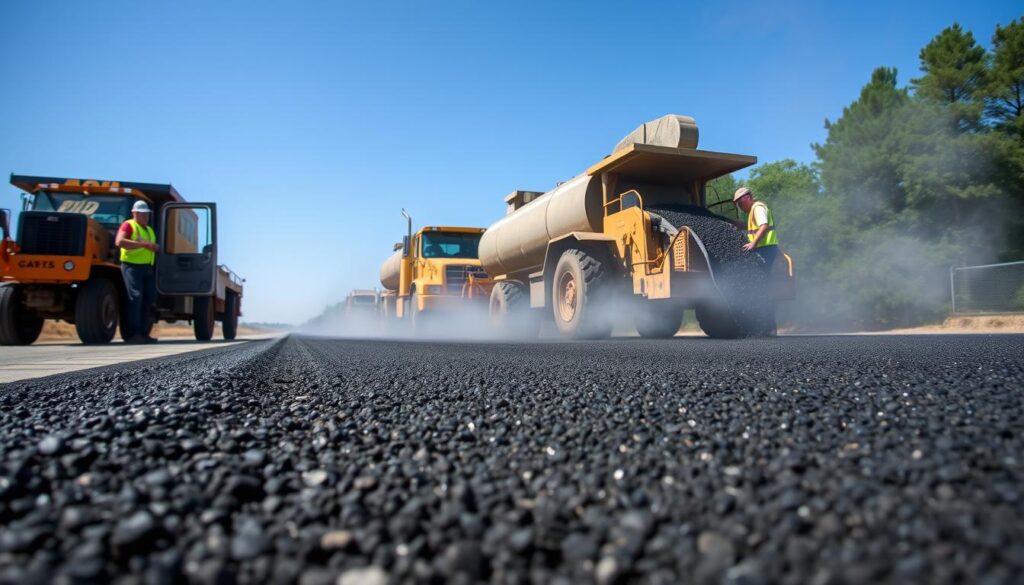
(891, 272)
(468, 322)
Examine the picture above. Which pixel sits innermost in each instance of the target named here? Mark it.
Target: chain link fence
(991, 288)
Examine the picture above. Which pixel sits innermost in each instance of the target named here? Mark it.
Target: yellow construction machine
(432, 271)
(62, 263)
(632, 236)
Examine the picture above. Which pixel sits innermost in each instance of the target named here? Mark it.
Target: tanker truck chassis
(632, 235)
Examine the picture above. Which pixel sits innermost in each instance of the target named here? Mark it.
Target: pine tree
(1005, 91)
(1005, 108)
(862, 155)
(955, 74)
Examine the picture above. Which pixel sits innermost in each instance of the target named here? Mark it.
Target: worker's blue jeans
(767, 255)
(140, 284)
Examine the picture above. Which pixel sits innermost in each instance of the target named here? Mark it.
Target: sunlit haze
(312, 124)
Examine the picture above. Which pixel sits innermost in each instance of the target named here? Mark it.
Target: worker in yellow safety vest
(761, 236)
(137, 241)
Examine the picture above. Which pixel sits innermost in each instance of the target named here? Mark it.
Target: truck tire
(510, 313)
(717, 321)
(721, 322)
(415, 314)
(658, 319)
(203, 318)
(229, 323)
(96, 311)
(579, 287)
(17, 326)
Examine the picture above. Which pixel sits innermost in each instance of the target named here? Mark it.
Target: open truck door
(187, 261)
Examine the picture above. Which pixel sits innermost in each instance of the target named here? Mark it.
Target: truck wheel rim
(567, 297)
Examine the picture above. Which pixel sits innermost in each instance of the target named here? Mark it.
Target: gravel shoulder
(794, 460)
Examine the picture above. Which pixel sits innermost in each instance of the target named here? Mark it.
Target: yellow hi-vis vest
(140, 255)
(769, 238)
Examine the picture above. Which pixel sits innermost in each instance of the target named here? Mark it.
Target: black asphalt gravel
(740, 276)
(791, 460)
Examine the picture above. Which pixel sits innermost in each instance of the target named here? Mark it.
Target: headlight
(434, 289)
(69, 265)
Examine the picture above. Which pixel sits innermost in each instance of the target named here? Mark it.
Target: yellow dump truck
(434, 270)
(362, 307)
(63, 264)
(632, 235)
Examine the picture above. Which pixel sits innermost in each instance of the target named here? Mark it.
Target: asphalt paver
(303, 460)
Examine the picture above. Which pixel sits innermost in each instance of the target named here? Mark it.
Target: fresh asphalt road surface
(46, 359)
(792, 460)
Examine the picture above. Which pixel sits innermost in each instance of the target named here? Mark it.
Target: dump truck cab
(362, 303)
(632, 234)
(433, 270)
(62, 263)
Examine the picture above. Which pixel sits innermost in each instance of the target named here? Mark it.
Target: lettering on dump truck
(85, 207)
(91, 183)
(36, 264)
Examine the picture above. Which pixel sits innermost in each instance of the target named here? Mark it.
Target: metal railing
(989, 288)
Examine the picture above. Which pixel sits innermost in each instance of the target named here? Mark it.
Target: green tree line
(909, 181)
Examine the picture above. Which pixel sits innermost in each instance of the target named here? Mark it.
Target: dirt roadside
(61, 331)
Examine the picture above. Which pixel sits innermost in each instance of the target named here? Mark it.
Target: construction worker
(137, 241)
(761, 236)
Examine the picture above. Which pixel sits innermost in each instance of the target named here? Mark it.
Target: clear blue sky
(312, 123)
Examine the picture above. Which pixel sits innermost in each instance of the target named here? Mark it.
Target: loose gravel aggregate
(301, 460)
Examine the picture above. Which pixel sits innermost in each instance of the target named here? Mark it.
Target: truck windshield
(108, 210)
(363, 300)
(450, 245)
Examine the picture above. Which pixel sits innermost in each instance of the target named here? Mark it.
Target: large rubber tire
(17, 326)
(416, 316)
(510, 313)
(203, 318)
(96, 311)
(229, 323)
(658, 319)
(720, 322)
(578, 293)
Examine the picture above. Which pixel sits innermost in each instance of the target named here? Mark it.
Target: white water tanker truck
(632, 234)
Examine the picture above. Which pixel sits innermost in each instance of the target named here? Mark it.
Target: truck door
(187, 261)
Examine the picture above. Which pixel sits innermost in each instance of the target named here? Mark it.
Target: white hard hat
(141, 207)
(740, 193)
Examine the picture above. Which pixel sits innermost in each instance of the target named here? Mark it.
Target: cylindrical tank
(516, 243)
(391, 270)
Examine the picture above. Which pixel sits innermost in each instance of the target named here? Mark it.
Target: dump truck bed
(157, 193)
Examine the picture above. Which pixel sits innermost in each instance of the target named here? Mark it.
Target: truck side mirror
(5, 223)
(405, 245)
(398, 246)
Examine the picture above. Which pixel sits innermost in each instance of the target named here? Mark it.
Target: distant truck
(62, 263)
(434, 270)
(632, 235)
(362, 305)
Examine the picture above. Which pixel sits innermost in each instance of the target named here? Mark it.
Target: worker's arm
(125, 242)
(757, 237)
